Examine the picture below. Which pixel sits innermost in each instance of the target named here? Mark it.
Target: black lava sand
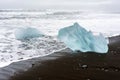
(76, 66)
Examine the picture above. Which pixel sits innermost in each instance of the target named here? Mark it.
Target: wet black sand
(76, 66)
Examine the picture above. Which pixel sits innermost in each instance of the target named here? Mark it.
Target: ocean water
(48, 22)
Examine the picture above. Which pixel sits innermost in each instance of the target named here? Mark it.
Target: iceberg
(27, 33)
(78, 38)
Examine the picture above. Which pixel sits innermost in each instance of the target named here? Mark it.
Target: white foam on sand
(39, 47)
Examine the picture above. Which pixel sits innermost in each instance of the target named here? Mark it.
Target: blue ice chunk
(78, 38)
(27, 33)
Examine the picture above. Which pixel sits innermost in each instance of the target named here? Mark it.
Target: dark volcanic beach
(66, 65)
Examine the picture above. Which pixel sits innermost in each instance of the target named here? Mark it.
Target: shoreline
(78, 66)
(24, 65)
(66, 66)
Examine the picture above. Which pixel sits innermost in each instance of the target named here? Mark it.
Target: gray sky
(103, 5)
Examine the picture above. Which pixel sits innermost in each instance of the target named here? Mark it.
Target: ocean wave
(13, 50)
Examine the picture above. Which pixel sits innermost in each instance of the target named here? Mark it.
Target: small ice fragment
(27, 33)
(87, 79)
(78, 38)
(84, 66)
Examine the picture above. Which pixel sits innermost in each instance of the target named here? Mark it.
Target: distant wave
(38, 14)
(22, 10)
(66, 13)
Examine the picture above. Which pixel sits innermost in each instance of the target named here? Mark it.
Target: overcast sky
(105, 5)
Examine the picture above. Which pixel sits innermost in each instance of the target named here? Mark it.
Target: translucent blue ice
(27, 33)
(77, 38)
